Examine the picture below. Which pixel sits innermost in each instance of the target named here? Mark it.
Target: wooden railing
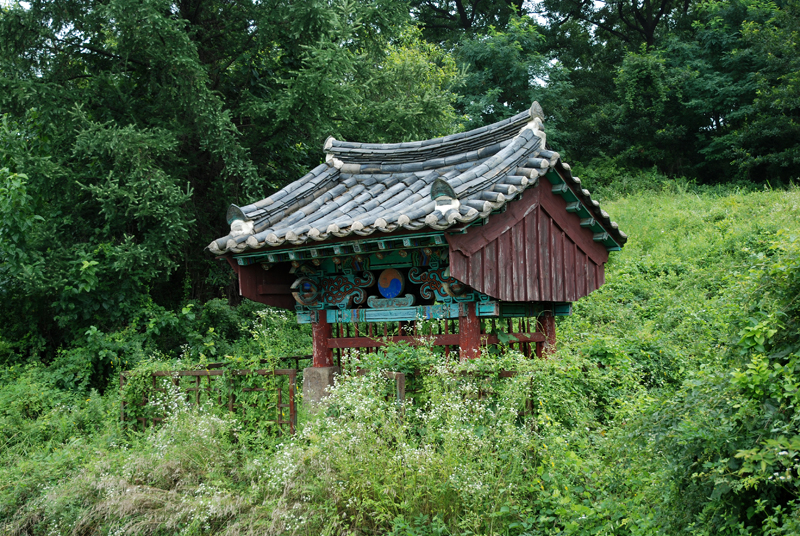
(190, 383)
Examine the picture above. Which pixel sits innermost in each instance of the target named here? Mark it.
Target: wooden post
(469, 331)
(446, 331)
(549, 329)
(320, 333)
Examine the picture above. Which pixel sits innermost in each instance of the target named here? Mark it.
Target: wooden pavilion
(485, 224)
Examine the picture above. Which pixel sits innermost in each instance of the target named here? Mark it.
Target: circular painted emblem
(305, 291)
(453, 288)
(391, 283)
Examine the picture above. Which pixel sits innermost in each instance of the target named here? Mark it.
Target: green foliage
(699, 89)
(769, 139)
(668, 409)
(623, 23)
(400, 357)
(18, 222)
(43, 430)
(128, 127)
(259, 345)
(385, 472)
(447, 20)
(732, 465)
(407, 97)
(136, 124)
(501, 71)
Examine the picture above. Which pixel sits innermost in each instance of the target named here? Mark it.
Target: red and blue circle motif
(391, 283)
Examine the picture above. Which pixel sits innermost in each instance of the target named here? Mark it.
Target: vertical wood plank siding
(536, 252)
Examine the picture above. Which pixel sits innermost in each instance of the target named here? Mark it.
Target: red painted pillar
(320, 333)
(469, 331)
(549, 329)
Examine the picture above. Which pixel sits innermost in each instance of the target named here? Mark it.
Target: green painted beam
(399, 314)
(436, 312)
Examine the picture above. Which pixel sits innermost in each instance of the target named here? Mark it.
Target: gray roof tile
(384, 187)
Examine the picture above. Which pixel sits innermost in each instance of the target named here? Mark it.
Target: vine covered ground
(668, 409)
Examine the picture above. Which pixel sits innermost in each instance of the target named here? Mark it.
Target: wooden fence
(202, 385)
(192, 385)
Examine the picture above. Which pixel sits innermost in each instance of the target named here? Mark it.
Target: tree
(704, 107)
(700, 99)
(631, 21)
(503, 71)
(768, 144)
(447, 20)
(136, 123)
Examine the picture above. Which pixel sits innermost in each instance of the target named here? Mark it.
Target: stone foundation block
(316, 381)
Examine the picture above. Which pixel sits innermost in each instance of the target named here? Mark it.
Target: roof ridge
(389, 154)
(519, 118)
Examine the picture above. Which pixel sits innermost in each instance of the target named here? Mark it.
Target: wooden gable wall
(271, 287)
(535, 251)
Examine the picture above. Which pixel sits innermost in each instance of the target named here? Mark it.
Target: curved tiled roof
(367, 187)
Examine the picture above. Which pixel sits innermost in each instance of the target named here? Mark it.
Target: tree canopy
(129, 125)
(136, 123)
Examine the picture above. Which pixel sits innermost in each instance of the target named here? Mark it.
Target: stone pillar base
(316, 381)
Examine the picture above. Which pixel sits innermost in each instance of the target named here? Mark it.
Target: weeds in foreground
(470, 459)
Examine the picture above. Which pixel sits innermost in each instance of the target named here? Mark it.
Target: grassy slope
(673, 303)
(677, 284)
